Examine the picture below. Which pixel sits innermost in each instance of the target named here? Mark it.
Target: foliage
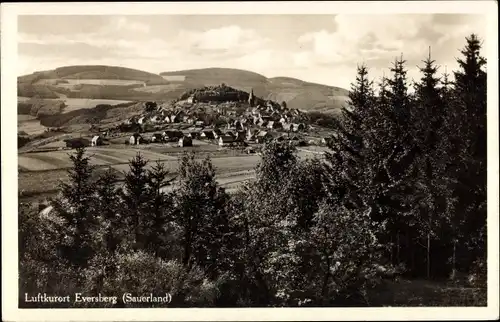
(403, 185)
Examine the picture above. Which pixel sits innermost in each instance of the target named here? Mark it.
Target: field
(74, 104)
(108, 82)
(29, 125)
(158, 88)
(70, 83)
(39, 172)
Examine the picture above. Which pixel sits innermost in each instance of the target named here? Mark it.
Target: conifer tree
(347, 157)
(135, 199)
(158, 211)
(199, 212)
(108, 208)
(469, 167)
(426, 121)
(75, 207)
(392, 157)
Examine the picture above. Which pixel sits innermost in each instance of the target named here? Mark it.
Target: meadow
(74, 104)
(40, 172)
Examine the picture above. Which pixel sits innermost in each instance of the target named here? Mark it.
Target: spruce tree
(426, 122)
(75, 207)
(108, 207)
(135, 199)
(158, 211)
(469, 167)
(200, 213)
(346, 160)
(392, 158)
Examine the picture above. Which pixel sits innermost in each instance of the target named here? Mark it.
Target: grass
(123, 82)
(418, 293)
(30, 126)
(109, 82)
(74, 104)
(40, 171)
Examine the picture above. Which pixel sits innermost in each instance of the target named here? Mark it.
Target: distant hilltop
(120, 83)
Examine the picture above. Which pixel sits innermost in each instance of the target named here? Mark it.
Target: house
(263, 136)
(155, 119)
(97, 140)
(132, 120)
(298, 127)
(250, 150)
(282, 120)
(76, 143)
(190, 99)
(185, 141)
(199, 123)
(208, 135)
(240, 136)
(225, 140)
(157, 137)
(195, 134)
(287, 126)
(281, 138)
(274, 125)
(185, 118)
(262, 122)
(135, 139)
(238, 125)
(166, 119)
(218, 131)
(141, 120)
(172, 135)
(327, 141)
(251, 134)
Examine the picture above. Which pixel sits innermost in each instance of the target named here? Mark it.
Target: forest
(401, 195)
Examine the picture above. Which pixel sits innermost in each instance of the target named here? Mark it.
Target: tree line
(403, 189)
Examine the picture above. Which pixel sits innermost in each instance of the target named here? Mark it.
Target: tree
(144, 273)
(75, 206)
(426, 122)
(159, 209)
(107, 206)
(135, 199)
(199, 213)
(347, 157)
(467, 121)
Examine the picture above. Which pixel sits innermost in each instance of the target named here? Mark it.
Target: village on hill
(218, 115)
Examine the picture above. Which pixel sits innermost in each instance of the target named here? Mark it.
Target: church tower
(251, 98)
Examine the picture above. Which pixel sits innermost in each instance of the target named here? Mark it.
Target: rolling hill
(296, 93)
(119, 83)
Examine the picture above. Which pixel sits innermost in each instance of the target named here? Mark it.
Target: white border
(9, 13)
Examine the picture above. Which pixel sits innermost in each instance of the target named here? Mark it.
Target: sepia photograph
(250, 159)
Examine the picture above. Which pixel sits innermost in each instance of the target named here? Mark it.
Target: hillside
(296, 93)
(119, 83)
(99, 81)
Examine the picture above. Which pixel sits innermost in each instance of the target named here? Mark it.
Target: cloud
(225, 38)
(125, 24)
(363, 38)
(326, 52)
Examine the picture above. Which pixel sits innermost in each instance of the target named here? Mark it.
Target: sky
(317, 48)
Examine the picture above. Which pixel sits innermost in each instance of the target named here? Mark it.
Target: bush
(140, 274)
